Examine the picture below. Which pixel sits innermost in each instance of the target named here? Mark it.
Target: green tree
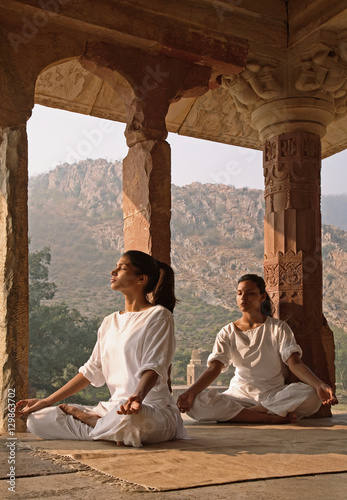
(39, 286)
(60, 338)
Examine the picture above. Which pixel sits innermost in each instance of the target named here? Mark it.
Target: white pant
(151, 425)
(212, 405)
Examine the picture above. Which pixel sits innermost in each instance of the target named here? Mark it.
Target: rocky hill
(217, 235)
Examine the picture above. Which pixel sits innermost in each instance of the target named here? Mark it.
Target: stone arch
(67, 84)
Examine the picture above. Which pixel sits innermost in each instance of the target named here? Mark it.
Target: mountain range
(217, 235)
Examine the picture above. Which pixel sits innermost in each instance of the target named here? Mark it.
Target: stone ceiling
(219, 115)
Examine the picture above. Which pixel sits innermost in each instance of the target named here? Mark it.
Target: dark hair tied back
(266, 306)
(161, 278)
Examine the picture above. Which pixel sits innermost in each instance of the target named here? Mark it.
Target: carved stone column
(147, 175)
(18, 74)
(14, 291)
(292, 235)
(147, 198)
(290, 101)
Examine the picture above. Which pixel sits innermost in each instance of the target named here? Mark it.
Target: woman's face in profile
(124, 275)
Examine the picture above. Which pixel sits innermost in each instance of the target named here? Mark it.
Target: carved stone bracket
(322, 71)
(258, 83)
(147, 86)
(302, 90)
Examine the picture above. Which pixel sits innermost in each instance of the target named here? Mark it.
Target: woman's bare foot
(249, 415)
(290, 418)
(83, 416)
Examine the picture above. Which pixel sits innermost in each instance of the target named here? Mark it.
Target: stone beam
(307, 17)
(181, 32)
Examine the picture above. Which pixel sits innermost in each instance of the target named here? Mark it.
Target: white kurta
(259, 356)
(127, 345)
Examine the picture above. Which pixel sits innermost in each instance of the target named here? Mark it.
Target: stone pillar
(197, 365)
(147, 177)
(14, 288)
(18, 74)
(147, 198)
(147, 167)
(292, 233)
(292, 239)
(289, 103)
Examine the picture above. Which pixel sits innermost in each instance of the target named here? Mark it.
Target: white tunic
(259, 356)
(127, 345)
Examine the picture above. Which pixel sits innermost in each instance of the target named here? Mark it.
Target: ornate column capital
(302, 88)
(295, 114)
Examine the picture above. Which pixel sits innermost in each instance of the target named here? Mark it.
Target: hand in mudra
(131, 406)
(326, 395)
(26, 406)
(185, 401)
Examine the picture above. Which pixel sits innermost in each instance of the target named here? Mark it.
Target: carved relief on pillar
(291, 270)
(284, 270)
(292, 171)
(322, 70)
(290, 286)
(258, 83)
(288, 275)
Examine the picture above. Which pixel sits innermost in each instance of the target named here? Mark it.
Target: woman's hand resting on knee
(185, 401)
(76, 384)
(26, 406)
(326, 394)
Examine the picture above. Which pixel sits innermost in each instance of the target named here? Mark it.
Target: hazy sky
(57, 136)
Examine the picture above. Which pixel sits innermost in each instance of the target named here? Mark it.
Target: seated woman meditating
(132, 355)
(259, 347)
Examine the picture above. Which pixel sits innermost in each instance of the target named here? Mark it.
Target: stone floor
(41, 478)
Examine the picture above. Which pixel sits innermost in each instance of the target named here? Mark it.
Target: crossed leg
(86, 417)
(258, 415)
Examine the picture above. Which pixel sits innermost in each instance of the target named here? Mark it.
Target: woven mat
(217, 454)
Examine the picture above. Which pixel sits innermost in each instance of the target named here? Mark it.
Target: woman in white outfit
(260, 348)
(132, 355)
